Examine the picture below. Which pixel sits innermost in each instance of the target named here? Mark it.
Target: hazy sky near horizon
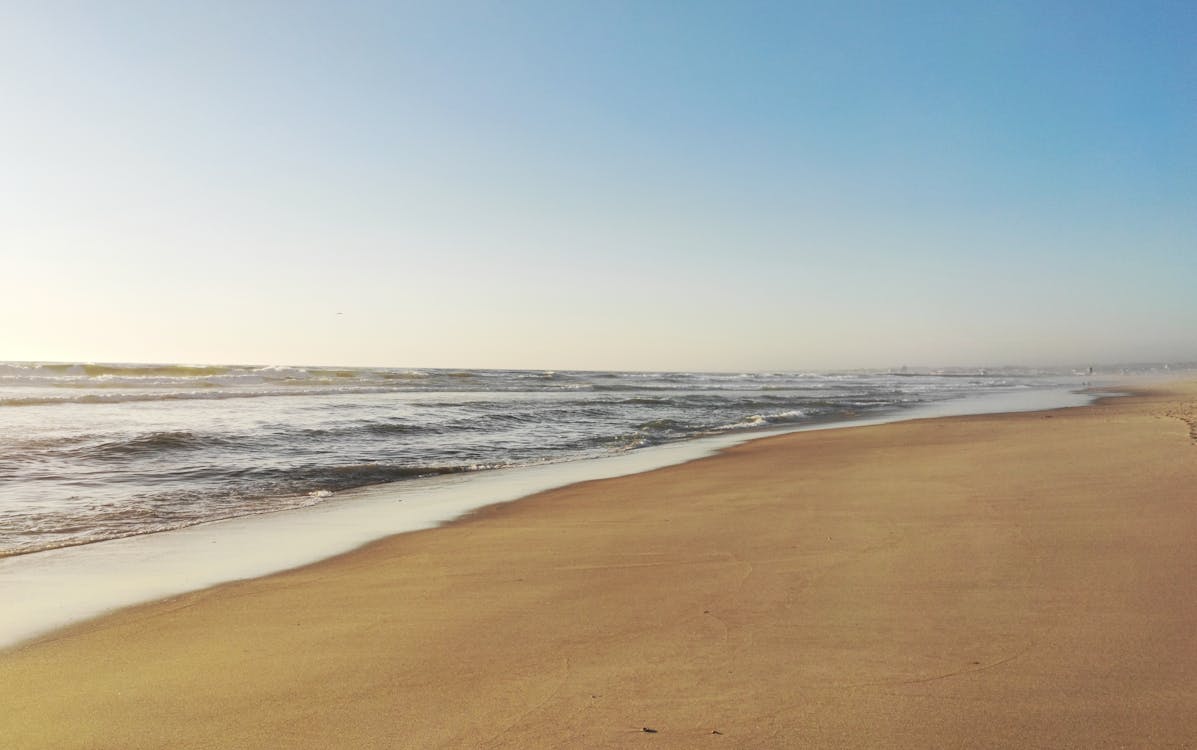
(599, 185)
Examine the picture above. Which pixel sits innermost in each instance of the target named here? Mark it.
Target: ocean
(93, 452)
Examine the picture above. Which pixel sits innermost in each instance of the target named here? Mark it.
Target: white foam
(47, 590)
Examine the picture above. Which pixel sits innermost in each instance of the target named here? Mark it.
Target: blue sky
(642, 185)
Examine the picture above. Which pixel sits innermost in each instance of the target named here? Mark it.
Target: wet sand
(1018, 580)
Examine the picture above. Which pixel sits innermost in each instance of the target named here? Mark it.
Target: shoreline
(63, 586)
(997, 580)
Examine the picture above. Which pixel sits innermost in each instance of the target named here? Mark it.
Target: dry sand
(1025, 580)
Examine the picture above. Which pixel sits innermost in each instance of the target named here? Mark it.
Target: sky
(599, 185)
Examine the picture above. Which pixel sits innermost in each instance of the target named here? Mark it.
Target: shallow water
(55, 587)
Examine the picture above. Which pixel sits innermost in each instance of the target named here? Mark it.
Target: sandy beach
(996, 581)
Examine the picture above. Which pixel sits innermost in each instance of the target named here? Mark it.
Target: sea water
(91, 452)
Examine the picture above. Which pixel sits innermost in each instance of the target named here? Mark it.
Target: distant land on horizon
(208, 368)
